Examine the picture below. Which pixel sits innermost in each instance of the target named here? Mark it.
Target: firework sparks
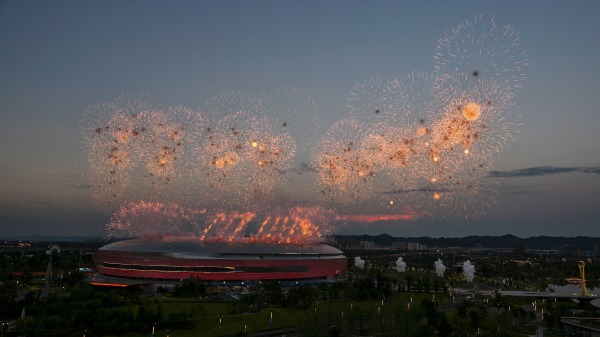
(423, 141)
(480, 49)
(478, 121)
(285, 225)
(150, 218)
(295, 112)
(379, 100)
(344, 171)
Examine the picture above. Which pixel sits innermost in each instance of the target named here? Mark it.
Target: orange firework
(293, 225)
(475, 123)
(146, 218)
(424, 140)
(471, 111)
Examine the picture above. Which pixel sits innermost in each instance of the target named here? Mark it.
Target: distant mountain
(579, 243)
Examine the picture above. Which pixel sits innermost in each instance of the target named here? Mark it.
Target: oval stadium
(174, 259)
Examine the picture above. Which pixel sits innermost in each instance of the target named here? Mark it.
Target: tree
(431, 313)
(272, 291)
(409, 280)
(423, 330)
(444, 327)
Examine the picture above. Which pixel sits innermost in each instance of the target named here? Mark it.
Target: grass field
(219, 319)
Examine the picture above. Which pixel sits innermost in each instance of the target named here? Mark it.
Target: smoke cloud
(468, 271)
(400, 265)
(358, 262)
(440, 269)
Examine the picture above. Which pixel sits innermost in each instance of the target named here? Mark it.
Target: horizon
(17, 237)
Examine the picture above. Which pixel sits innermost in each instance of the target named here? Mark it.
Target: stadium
(174, 259)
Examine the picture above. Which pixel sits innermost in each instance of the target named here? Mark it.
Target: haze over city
(59, 60)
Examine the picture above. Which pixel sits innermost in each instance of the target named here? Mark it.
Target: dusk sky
(58, 58)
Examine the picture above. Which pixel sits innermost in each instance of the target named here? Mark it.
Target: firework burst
(474, 124)
(379, 100)
(480, 49)
(295, 112)
(145, 218)
(423, 142)
(345, 172)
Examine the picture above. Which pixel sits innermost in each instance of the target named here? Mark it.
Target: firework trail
(284, 225)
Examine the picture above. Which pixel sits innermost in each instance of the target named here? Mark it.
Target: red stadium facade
(171, 259)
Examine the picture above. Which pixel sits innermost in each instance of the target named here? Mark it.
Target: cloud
(304, 167)
(520, 192)
(423, 189)
(541, 171)
(14, 169)
(67, 175)
(595, 170)
(83, 186)
(409, 214)
(370, 218)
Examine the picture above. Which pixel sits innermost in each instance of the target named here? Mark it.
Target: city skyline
(60, 59)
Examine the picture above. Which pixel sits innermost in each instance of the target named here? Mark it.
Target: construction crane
(584, 291)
